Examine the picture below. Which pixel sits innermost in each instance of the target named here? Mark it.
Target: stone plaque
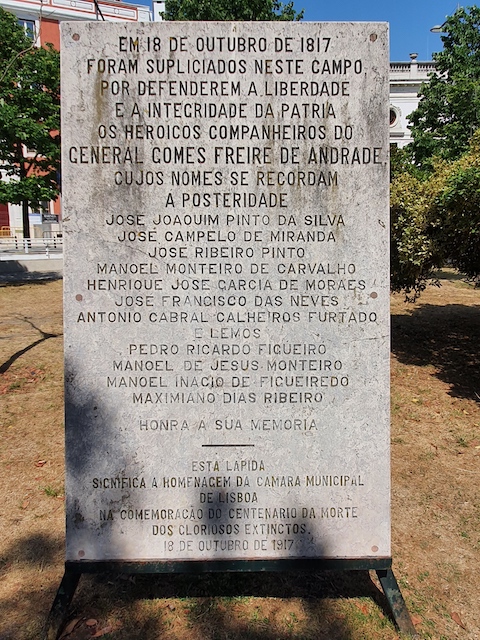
(226, 275)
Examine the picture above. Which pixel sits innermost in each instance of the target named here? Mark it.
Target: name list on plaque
(225, 190)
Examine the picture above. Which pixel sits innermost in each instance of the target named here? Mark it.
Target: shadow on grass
(212, 606)
(33, 554)
(37, 549)
(446, 337)
(219, 605)
(28, 277)
(43, 336)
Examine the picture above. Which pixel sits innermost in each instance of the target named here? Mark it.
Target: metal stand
(396, 602)
(382, 566)
(58, 613)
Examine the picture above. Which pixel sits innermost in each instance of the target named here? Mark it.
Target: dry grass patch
(435, 510)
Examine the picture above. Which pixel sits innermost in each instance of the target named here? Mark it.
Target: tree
(414, 251)
(247, 10)
(29, 119)
(449, 110)
(455, 215)
(435, 201)
(435, 219)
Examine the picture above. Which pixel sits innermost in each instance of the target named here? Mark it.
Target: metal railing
(15, 246)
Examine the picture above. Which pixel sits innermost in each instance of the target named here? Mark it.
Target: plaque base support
(382, 566)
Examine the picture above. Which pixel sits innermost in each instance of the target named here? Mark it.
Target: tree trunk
(25, 220)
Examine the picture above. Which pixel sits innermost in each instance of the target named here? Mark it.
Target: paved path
(30, 268)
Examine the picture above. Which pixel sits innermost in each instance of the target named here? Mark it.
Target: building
(406, 78)
(43, 17)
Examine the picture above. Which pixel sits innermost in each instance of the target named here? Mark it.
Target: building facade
(406, 78)
(44, 16)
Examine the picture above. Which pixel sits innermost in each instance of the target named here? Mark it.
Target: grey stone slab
(226, 290)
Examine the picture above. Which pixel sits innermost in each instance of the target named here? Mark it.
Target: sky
(410, 20)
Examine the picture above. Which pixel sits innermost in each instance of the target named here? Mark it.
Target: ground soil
(435, 500)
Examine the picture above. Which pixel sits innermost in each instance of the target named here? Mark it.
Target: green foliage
(29, 116)
(435, 220)
(414, 255)
(436, 196)
(449, 110)
(401, 162)
(456, 214)
(247, 10)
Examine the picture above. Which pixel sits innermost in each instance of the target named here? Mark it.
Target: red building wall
(50, 32)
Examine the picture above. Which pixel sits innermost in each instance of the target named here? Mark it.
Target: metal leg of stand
(397, 603)
(58, 613)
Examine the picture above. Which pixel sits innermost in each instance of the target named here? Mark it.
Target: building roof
(78, 10)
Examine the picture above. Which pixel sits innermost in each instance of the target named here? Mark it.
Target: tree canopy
(435, 191)
(247, 10)
(435, 220)
(456, 214)
(449, 110)
(29, 118)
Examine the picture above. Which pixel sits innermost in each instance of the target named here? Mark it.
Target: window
(29, 26)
